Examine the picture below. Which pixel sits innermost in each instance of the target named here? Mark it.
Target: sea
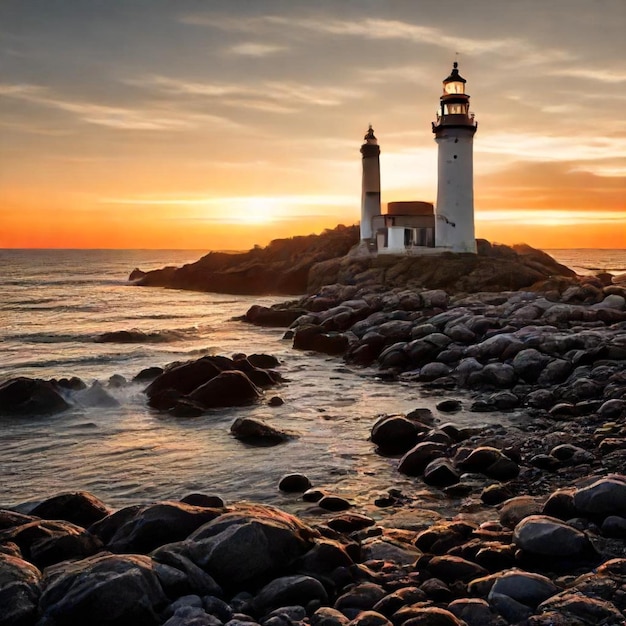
(55, 304)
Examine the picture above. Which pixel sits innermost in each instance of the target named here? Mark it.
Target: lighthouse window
(455, 156)
(454, 87)
(454, 109)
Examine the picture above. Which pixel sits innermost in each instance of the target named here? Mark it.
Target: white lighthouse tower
(454, 133)
(370, 186)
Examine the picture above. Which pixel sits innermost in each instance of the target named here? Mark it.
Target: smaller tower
(454, 131)
(370, 187)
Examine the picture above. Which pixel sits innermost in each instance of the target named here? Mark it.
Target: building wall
(455, 190)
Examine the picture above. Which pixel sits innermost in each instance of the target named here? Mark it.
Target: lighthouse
(370, 186)
(454, 131)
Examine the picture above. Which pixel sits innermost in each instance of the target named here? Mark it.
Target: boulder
(415, 460)
(78, 507)
(287, 591)
(248, 543)
(394, 434)
(230, 388)
(257, 433)
(440, 473)
(294, 483)
(272, 316)
(120, 590)
(19, 591)
(45, 542)
(158, 524)
(184, 377)
(30, 396)
(526, 587)
(548, 536)
(606, 496)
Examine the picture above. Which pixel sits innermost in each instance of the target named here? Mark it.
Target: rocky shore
(522, 523)
(519, 523)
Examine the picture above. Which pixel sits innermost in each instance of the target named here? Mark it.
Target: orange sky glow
(223, 125)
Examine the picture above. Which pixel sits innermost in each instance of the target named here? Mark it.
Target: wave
(604, 269)
(47, 337)
(100, 359)
(157, 336)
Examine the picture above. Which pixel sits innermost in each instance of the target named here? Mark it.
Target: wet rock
(333, 503)
(19, 591)
(230, 388)
(148, 374)
(588, 610)
(30, 396)
(258, 433)
(451, 568)
(288, 590)
(386, 549)
(603, 497)
(158, 524)
(45, 542)
(294, 483)
(614, 526)
(275, 401)
(560, 504)
(204, 500)
(103, 589)
(311, 337)
(440, 473)
(186, 408)
(528, 364)
(79, 507)
(398, 599)
(394, 434)
(270, 540)
(187, 577)
(513, 611)
(433, 616)
(516, 509)
(449, 406)
(184, 377)
(327, 616)
(548, 536)
(370, 618)
(414, 462)
(350, 522)
(363, 596)
(526, 587)
(475, 612)
(272, 316)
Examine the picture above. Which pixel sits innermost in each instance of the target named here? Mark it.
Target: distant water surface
(55, 303)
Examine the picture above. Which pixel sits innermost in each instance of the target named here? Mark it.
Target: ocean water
(54, 304)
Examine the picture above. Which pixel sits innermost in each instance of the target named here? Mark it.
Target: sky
(221, 124)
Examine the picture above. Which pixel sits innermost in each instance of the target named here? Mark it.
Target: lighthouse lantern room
(454, 131)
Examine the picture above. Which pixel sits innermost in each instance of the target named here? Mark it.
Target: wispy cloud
(273, 96)
(124, 118)
(515, 49)
(251, 49)
(602, 75)
(536, 147)
(552, 217)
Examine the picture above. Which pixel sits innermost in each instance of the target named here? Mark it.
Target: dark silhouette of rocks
(305, 264)
(282, 267)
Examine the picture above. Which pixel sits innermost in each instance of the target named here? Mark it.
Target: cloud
(272, 96)
(552, 217)
(602, 75)
(539, 147)
(518, 51)
(252, 49)
(124, 118)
